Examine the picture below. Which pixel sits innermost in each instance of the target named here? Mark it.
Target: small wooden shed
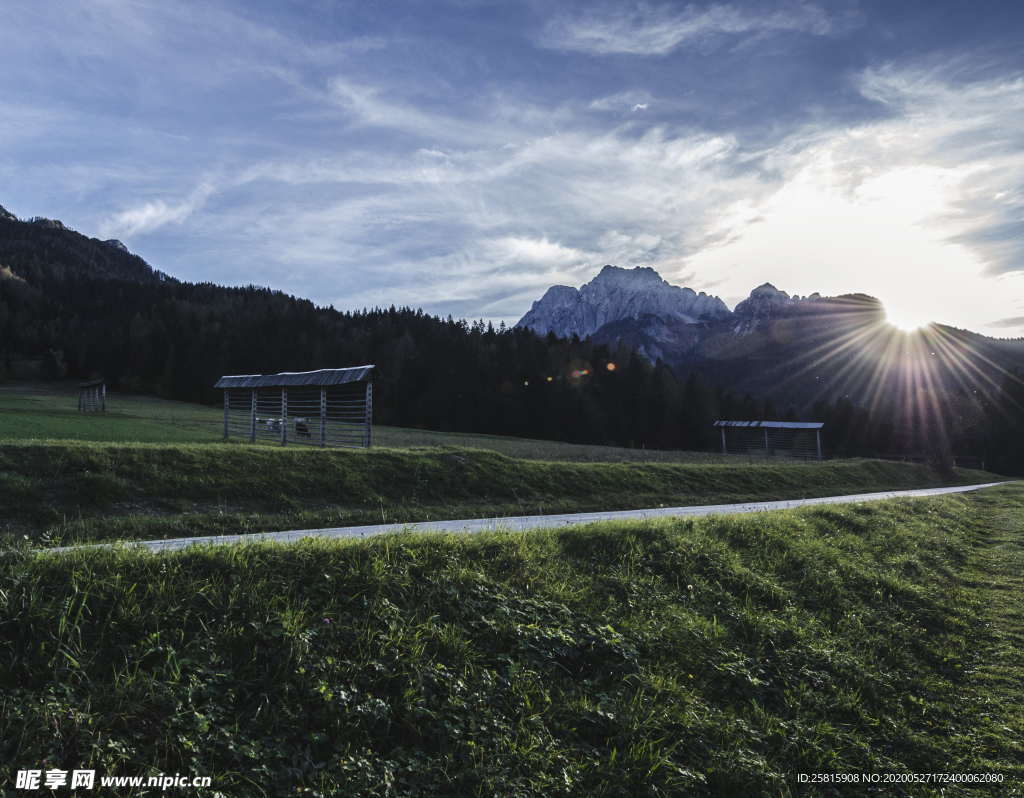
(328, 407)
(92, 397)
(786, 438)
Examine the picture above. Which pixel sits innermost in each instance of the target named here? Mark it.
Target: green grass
(533, 449)
(48, 412)
(995, 573)
(716, 657)
(62, 493)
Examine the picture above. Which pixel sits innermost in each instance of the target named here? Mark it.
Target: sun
(906, 318)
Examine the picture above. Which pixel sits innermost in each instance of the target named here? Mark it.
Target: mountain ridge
(793, 349)
(661, 320)
(615, 294)
(566, 311)
(24, 241)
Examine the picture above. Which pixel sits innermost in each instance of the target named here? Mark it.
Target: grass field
(49, 412)
(61, 493)
(151, 468)
(717, 657)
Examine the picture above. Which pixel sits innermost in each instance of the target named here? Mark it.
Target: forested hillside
(72, 306)
(78, 307)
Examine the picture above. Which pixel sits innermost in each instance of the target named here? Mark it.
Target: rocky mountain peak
(766, 301)
(113, 242)
(616, 275)
(618, 294)
(762, 301)
(768, 290)
(6, 215)
(42, 221)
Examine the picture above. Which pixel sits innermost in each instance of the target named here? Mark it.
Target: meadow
(48, 411)
(709, 657)
(717, 657)
(108, 485)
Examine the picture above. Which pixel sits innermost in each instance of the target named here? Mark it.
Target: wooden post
(766, 440)
(103, 397)
(252, 418)
(284, 416)
(227, 391)
(368, 417)
(323, 416)
(817, 435)
(724, 450)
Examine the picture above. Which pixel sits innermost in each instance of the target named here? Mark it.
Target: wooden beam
(284, 416)
(368, 417)
(323, 416)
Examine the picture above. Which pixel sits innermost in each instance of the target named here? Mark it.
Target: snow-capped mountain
(792, 349)
(766, 301)
(637, 309)
(615, 295)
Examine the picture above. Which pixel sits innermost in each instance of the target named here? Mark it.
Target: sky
(464, 156)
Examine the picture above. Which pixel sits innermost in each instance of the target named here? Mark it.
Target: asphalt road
(525, 522)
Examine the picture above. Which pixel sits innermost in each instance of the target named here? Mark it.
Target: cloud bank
(466, 159)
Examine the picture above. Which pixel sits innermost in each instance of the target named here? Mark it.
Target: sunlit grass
(710, 657)
(63, 493)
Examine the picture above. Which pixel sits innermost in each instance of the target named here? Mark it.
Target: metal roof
(91, 384)
(291, 378)
(773, 424)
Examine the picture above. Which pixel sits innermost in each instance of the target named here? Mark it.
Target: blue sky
(464, 156)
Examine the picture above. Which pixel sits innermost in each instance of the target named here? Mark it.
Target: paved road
(524, 522)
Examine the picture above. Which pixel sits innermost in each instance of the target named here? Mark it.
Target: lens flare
(906, 319)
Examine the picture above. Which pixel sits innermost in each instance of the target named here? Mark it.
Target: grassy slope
(69, 492)
(678, 657)
(996, 573)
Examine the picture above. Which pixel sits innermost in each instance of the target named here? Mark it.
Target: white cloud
(657, 30)
(388, 187)
(921, 208)
(154, 214)
(622, 101)
(910, 207)
(369, 105)
(519, 250)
